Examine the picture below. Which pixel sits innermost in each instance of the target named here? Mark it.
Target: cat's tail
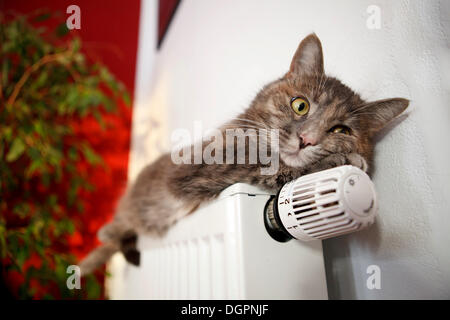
(115, 236)
(97, 257)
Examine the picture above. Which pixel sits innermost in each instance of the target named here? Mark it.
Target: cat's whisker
(257, 133)
(283, 131)
(262, 132)
(251, 121)
(241, 126)
(283, 140)
(265, 131)
(284, 135)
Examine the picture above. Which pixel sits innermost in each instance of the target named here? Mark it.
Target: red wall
(109, 33)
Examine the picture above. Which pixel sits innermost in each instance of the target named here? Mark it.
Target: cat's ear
(380, 113)
(308, 58)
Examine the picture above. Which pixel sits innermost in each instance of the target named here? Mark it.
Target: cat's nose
(307, 140)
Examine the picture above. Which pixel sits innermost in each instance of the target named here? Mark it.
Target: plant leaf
(42, 17)
(17, 148)
(62, 30)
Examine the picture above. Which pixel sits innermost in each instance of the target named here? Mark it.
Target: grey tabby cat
(322, 124)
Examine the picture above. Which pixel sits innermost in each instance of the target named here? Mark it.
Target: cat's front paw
(340, 159)
(358, 161)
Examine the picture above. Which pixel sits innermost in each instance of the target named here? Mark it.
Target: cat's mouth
(301, 146)
(301, 156)
(293, 152)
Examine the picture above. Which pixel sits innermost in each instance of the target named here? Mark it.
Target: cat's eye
(300, 105)
(340, 129)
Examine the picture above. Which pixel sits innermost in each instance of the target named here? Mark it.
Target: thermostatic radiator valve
(322, 205)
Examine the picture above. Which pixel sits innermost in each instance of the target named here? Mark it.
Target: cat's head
(318, 115)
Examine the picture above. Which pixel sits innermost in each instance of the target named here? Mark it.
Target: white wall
(218, 54)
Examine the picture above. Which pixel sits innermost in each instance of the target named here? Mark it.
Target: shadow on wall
(337, 255)
(338, 264)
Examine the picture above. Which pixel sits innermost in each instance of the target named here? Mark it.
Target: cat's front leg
(340, 159)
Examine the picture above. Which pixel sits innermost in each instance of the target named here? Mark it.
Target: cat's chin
(300, 157)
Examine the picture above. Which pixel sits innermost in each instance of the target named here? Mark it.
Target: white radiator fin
(188, 269)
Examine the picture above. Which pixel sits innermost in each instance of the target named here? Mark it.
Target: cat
(321, 124)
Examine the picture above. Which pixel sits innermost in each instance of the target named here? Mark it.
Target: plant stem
(45, 59)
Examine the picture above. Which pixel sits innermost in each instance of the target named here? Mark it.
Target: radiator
(221, 251)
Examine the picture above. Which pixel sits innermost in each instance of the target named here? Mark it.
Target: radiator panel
(222, 251)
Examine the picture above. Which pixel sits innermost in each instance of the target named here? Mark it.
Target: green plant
(44, 89)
